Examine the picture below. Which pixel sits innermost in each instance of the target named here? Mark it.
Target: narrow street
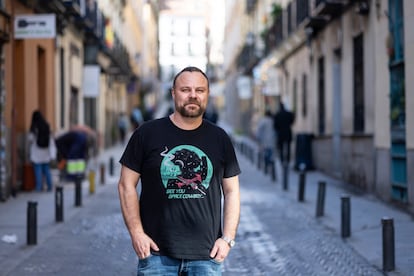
(274, 238)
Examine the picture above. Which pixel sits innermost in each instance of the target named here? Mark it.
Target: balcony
(73, 7)
(331, 8)
(55, 6)
(250, 6)
(5, 26)
(315, 23)
(362, 7)
(247, 59)
(274, 35)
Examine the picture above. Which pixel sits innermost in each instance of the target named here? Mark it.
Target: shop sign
(34, 26)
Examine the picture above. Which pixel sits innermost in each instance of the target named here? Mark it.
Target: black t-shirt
(181, 175)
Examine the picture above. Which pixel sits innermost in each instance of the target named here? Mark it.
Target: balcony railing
(274, 35)
(331, 8)
(250, 4)
(247, 58)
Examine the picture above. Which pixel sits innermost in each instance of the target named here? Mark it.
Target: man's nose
(193, 93)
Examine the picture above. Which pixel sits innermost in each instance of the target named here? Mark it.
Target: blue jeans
(156, 265)
(268, 156)
(41, 169)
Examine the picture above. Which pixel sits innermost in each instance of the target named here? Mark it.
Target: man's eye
(200, 91)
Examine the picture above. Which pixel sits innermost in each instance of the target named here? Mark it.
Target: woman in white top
(40, 150)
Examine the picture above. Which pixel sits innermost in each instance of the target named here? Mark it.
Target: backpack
(43, 136)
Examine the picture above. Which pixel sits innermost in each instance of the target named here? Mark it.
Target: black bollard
(321, 199)
(388, 256)
(31, 223)
(111, 166)
(59, 204)
(78, 192)
(285, 176)
(345, 216)
(102, 174)
(302, 182)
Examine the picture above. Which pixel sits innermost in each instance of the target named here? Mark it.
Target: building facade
(342, 67)
(75, 61)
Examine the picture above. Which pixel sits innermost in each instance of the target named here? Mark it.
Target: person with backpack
(41, 150)
(282, 123)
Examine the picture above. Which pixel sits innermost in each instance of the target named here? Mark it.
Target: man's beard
(190, 113)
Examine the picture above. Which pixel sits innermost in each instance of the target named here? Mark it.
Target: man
(282, 123)
(184, 164)
(266, 136)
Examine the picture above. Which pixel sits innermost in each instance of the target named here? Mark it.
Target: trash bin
(303, 151)
(28, 177)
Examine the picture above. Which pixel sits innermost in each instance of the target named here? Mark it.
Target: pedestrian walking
(211, 113)
(42, 150)
(75, 147)
(187, 166)
(283, 121)
(266, 137)
(136, 117)
(122, 126)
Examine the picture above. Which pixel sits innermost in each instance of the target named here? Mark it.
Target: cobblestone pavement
(95, 242)
(274, 238)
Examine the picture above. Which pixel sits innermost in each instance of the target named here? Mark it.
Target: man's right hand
(143, 245)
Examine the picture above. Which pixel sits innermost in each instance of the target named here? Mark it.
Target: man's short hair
(191, 69)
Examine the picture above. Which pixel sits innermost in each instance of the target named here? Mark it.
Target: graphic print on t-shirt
(185, 172)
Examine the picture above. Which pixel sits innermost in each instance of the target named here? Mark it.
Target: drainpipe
(13, 111)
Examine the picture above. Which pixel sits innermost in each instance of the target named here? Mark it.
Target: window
(90, 112)
(289, 18)
(359, 107)
(397, 70)
(295, 97)
(397, 30)
(73, 106)
(321, 95)
(302, 11)
(62, 88)
(304, 95)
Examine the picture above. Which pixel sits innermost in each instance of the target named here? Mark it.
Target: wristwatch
(229, 241)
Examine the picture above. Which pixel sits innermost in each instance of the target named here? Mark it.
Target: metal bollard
(91, 178)
(102, 174)
(345, 216)
(320, 203)
(31, 223)
(59, 204)
(302, 182)
(78, 192)
(285, 176)
(111, 166)
(388, 248)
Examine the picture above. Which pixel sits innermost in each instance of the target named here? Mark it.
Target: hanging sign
(34, 26)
